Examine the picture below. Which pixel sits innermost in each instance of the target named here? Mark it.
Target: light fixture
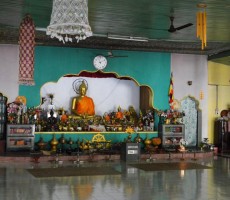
(128, 38)
(201, 28)
(217, 93)
(69, 20)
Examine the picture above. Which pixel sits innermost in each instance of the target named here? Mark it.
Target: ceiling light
(128, 38)
(69, 20)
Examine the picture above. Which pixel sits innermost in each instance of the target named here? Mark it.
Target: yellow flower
(129, 130)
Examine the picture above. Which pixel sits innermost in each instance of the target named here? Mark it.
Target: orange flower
(119, 115)
(156, 141)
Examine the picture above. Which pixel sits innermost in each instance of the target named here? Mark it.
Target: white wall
(193, 68)
(9, 66)
(107, 93)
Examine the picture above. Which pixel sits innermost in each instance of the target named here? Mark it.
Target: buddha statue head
(82, 89)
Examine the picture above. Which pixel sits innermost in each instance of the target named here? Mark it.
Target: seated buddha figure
(83, 106)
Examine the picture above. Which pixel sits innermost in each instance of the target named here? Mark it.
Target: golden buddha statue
(83, 106)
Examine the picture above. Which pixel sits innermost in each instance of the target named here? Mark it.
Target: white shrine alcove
(106, 89)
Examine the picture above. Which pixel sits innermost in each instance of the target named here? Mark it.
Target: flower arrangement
(170, 116)
(13, 111)
(18, 113)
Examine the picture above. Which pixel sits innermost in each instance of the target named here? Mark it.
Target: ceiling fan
(172, 29)
(111, 55)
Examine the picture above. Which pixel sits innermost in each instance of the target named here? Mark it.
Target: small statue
(51, 120)
(64, 116)
(133, 115)
(119, 114)
(106, 118)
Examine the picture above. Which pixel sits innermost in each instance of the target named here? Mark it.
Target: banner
(26, 51)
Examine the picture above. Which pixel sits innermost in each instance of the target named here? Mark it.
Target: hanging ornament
(201, 28)
(69, 20)
(26, 51)
(201, 95)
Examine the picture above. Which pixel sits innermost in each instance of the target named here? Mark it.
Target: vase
(138, 139)
(147, 141)
(70, 141)
(41, 144)
(129, 138)
(62, 139)
(156, 141)
(54, 143)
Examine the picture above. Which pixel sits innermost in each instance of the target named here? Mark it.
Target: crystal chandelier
(69, 20)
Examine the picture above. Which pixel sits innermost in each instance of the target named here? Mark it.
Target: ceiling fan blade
(184, 26)
(172, 29)
(121, 56)
(111, 55)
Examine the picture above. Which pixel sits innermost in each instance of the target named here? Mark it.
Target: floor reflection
(133, 184)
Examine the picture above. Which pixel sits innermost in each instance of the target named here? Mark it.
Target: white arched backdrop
(108, 93)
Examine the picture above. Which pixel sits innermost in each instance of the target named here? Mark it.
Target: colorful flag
(171, 92)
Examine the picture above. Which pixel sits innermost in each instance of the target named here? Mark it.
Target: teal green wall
(113, 137)
(148, 68)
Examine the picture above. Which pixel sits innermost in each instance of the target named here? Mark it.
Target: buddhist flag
(171, 92)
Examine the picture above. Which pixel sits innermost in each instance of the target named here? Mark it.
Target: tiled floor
(133, 184)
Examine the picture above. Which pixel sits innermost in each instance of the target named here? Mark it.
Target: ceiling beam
(219, 55)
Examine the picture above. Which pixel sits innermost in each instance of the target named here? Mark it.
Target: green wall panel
(113, 137)
(148, 68)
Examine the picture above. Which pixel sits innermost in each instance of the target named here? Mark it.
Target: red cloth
(26, 51)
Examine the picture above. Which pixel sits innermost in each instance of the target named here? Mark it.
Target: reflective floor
(133, 184)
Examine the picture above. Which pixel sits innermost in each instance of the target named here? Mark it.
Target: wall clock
(100, 62)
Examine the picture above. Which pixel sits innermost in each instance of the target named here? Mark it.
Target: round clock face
(100, 62)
